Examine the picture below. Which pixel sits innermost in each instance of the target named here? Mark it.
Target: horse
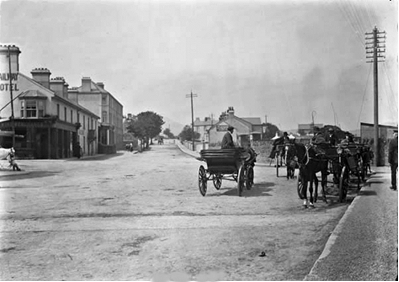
(5, 152)
(291, 160)
(309, 164)
(9, 154)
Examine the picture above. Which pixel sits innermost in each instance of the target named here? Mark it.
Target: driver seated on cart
(227, 141)
(319, 143)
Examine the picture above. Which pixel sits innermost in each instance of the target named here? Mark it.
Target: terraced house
(47, 123)
(94, 97)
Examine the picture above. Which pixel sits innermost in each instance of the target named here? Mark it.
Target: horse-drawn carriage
(227, 164)
(341, 161)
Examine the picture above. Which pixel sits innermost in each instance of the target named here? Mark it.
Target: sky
(287, 62)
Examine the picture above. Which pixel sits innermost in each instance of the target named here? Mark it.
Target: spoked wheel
(249, 179)
(277, 164)
(362, 171)
(217, 181)
(299, 185)
(240, 180)
(343, 184)
(202, 180)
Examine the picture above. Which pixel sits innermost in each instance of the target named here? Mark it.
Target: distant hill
(174, 126)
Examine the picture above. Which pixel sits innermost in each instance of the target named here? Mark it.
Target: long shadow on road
(96, 158)
(258, 189)
(32, 174)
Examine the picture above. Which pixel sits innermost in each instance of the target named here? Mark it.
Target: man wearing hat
(318, 138)
(331, 137)
(393, 158)
(227, 141)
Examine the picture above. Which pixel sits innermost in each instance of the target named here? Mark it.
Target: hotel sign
(5, 82)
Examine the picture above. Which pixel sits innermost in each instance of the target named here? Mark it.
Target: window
(58, 110)
(40, 108)
(84, 121)
(71, 116)
(104, 97)
(104, 116)
(65, 113)
(31, 109)
(78, 118)
(22, 108)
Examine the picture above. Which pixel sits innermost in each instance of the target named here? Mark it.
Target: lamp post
(191, 95)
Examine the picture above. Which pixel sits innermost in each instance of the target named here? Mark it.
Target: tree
(270, 131)
(145, 126)
(168, 133)
(186, 134)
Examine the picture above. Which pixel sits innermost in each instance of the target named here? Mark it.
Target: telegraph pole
(374, 51)
(191, 95)
(12, 99)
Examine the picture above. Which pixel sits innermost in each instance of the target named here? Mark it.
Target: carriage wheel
(240, 180)
(343, 184)
(299, 185)
(202, 180)
(249, 180)
(217, 181)
(362, 171)
(277, 164)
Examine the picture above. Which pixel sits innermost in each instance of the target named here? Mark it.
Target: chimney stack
(230, 111)
(4, 60)
(65, 90)
(57, 85)
(101, 85)
(73, 94)
(41, 76)
(86, 84)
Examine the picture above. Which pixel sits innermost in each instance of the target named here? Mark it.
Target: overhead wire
(345, 12)
(390, 95)
(364, 95)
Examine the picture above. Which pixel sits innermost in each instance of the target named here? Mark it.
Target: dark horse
(291, 160)
(309, 164)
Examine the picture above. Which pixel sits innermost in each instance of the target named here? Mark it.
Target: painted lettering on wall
(5, 82)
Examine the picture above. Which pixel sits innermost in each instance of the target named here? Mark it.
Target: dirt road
(141, 217)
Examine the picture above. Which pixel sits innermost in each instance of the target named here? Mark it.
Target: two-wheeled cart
(226, 164)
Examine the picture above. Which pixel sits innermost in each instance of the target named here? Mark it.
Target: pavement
(364, 244)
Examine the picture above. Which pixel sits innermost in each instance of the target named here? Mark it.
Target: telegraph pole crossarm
(376, 48)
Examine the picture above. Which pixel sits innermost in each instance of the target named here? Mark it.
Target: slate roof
(33, 94)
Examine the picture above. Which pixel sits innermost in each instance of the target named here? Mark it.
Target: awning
(10, 134)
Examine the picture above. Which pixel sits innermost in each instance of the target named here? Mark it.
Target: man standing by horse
(393, 158)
